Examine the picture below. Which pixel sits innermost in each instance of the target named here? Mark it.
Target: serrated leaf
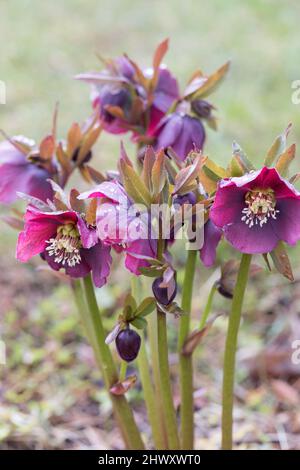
(134, 185)
(281, 261)
(188, 176)
(158, 174)
(74, 138)
(202, 86)
(241, 158)
(47, 147)
(278, 147)
(285, 159)
(89, 140)
(148, 163)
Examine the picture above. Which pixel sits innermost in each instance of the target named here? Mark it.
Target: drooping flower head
(182, 129)
(130, 98)
(23, 169)
(257, 211)
(65, 240)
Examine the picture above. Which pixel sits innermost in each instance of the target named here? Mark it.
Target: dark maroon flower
(181, 132)
(65, 241)
(257, 210)
(128, 344)
(19, 174)
(163, 295)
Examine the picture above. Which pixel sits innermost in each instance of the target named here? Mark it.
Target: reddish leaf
(120, 388)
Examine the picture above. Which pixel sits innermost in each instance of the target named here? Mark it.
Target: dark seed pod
(202, 108)
(161, 293)
(224, 292)
(128, 344)
(86, 159)
(188, 198)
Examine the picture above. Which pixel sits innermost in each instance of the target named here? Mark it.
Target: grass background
(44, 44)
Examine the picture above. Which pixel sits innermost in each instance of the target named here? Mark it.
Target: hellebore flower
(181, 132)
(119, 225)
(257, 210)
(164, 295)
(20, 174)
(212, 237)
(65, 241)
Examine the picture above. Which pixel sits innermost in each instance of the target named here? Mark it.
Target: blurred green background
(44, 44)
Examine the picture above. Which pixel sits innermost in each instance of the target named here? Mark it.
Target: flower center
(260, 207)
(65, 247)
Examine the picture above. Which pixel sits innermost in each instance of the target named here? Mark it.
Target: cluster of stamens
(260, 207)
(65, 247)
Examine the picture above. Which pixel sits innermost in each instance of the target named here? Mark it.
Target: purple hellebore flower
(119, 226)
(257, 210)
(212, 237)
(18, 174)
(65, 241)
(181, 132)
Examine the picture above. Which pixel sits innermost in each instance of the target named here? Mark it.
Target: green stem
(155, 361)
(93, 324)
(186, 362)
(164, 370)
(230, 351)
(153, 411)
(165, 383)
(208, 307)
(123, 371)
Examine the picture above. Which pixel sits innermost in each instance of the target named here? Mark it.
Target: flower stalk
(230, 351)
(95, 330)
(186, 362)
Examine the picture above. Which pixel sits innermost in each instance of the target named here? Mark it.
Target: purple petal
(212, 237)
(139, 247)
(228, 205)
(166, 91)
(88, 235)
(287, 225)
(252, 240)
(99, 260)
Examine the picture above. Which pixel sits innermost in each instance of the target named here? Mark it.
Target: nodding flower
(65, 241)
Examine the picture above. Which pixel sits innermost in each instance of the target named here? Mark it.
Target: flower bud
(226, 293)
(161, 293)
(202, 108)
(189, 198)
(128, 344)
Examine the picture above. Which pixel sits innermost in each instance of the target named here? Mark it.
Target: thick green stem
(230, 351)
(186, 362)
(165, 383)
(155, 361)
(123, 371)
(95, 330)
(153, 410)
(164, 371)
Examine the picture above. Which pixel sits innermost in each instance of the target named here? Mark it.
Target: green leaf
(146, 307)
(134, 185)
(278, 147)
(139, 322)
(285, 159)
